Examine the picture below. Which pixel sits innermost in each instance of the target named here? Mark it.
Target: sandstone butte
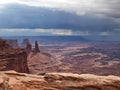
(11, 80)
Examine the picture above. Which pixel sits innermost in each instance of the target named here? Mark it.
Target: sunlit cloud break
(55, 31)
(105, 34)
(59, 32)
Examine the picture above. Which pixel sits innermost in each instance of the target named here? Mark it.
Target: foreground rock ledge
(11, 80)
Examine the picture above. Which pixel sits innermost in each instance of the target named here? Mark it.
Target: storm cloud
(87, 17)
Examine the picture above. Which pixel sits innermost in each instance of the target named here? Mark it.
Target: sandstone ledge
(11, 80)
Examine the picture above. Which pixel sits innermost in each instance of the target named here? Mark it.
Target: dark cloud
(22, 16)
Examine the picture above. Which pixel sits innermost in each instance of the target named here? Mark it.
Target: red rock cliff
(12, 59)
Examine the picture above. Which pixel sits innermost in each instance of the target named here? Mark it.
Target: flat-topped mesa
(12, 58)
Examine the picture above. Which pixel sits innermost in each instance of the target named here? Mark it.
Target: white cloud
(14, 30)
(54, 31)
(105, 34)
(65, 32)
(3, 2)
(35, 31)
(59, 32)
(80, 7)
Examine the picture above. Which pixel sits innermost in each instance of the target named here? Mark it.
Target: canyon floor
(81, 58)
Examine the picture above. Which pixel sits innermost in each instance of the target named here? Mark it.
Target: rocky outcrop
(13, 43)
(12, 58)
(25, 42)
(36, 49)
(11, 80)
(28, 48)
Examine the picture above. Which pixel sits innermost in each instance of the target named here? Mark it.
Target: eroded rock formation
(12, 58)
(11, 80)
(13, 43)
(36, 49)
(25, 42)
(28, 48)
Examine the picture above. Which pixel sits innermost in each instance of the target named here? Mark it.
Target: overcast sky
(60, 17)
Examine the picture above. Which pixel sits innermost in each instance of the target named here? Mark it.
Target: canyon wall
(13, 43)
(12, 58)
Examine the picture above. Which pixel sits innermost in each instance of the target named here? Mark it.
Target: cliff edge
(12, 58)
(11, 80)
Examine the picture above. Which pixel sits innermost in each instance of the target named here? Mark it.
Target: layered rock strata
(12, 58)
(11, 80)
